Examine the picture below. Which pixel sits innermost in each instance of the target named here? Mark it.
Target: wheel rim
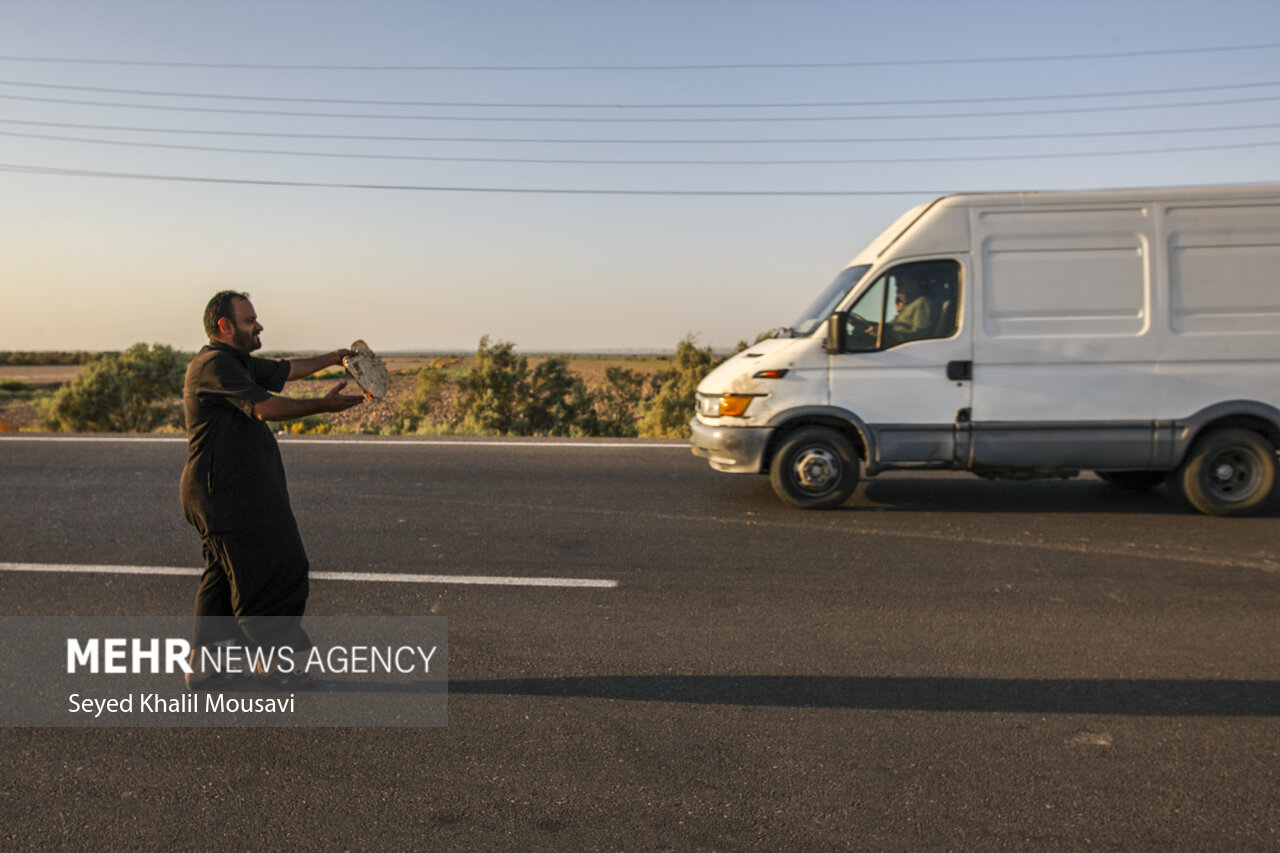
(816, 470)
(1232, 475)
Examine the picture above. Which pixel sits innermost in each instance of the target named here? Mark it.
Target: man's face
(244, 327)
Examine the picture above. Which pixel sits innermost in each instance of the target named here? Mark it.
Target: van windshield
(821, 309)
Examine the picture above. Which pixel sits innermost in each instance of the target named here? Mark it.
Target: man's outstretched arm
(301, 367)
(291, 408)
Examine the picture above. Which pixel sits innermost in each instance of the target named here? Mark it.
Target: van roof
(1202, 193)
(939, 207)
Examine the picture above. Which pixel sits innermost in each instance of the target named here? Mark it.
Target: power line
(633, 120)
(730, 66)
(605, 162)
(736, 140)
(142, 176)
(1131, 93)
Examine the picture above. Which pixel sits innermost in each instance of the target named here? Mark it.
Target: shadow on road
(253, 685)
(1045, 496)
(952, 494)
(1135, 697)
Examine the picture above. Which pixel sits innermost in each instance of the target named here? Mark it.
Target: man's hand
(289, 408)
(303, 367)
(336, 401)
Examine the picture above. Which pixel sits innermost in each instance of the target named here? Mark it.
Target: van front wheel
(1227, 472)
(815, 468)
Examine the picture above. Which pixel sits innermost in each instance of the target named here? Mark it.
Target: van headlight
(708, 405)
(724, 405)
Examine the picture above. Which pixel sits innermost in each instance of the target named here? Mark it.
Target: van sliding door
(1064, 350)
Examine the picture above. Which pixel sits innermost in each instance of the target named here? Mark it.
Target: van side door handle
(960, 371)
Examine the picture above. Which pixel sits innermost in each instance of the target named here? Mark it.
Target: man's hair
(221, 305)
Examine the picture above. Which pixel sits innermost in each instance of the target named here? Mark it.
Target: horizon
(272, 353)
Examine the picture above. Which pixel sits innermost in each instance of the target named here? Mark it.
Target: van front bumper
(734, 450)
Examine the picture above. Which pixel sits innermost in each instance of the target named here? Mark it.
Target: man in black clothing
(254, 587)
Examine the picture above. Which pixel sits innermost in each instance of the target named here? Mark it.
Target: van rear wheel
(1227, 472)
(815, 468)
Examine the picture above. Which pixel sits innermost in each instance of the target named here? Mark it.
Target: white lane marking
(478, 580)
(103, 439)
(376, 577)
(534, 444)
(359, 442)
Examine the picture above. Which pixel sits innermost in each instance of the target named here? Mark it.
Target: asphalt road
(945, 663)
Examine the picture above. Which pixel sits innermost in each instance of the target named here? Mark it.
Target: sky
(569, 176)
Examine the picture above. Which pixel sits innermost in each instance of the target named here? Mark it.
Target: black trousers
(254, 589)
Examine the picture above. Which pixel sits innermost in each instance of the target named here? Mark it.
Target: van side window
(910, 302)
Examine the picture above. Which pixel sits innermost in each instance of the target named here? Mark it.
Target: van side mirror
(837, 332)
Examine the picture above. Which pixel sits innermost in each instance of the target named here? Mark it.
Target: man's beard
(245, 341)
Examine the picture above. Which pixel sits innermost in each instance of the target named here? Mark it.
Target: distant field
(590, 367)
(44, 374)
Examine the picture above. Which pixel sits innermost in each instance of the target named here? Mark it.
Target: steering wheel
(862, 333)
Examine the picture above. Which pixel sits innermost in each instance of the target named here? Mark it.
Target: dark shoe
(294, 679)
(202, 677)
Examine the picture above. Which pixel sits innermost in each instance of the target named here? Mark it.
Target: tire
(1134, 481)
(815, 468)
(1227, 472)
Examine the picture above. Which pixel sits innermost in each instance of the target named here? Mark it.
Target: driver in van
(915, 318)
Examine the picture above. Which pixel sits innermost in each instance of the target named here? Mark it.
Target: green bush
(27, 359)
(133, 391)
(667, 415)
(557, 402)
(493, 392)
(308, 425)
(422, 409)
(617, 402)
(500, 395)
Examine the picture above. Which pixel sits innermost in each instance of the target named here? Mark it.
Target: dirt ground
(19, 413)
(39, 375)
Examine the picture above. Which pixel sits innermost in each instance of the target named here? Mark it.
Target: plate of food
(369, 371)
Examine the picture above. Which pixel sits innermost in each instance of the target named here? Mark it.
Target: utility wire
(729, 66)
(737, 140)
(632, 120)
(1131, 93)
(141, 176)
(602, 162)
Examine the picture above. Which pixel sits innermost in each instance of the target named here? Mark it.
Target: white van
(1135, 333)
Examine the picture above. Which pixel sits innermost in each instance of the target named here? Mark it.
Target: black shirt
(234, 477)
